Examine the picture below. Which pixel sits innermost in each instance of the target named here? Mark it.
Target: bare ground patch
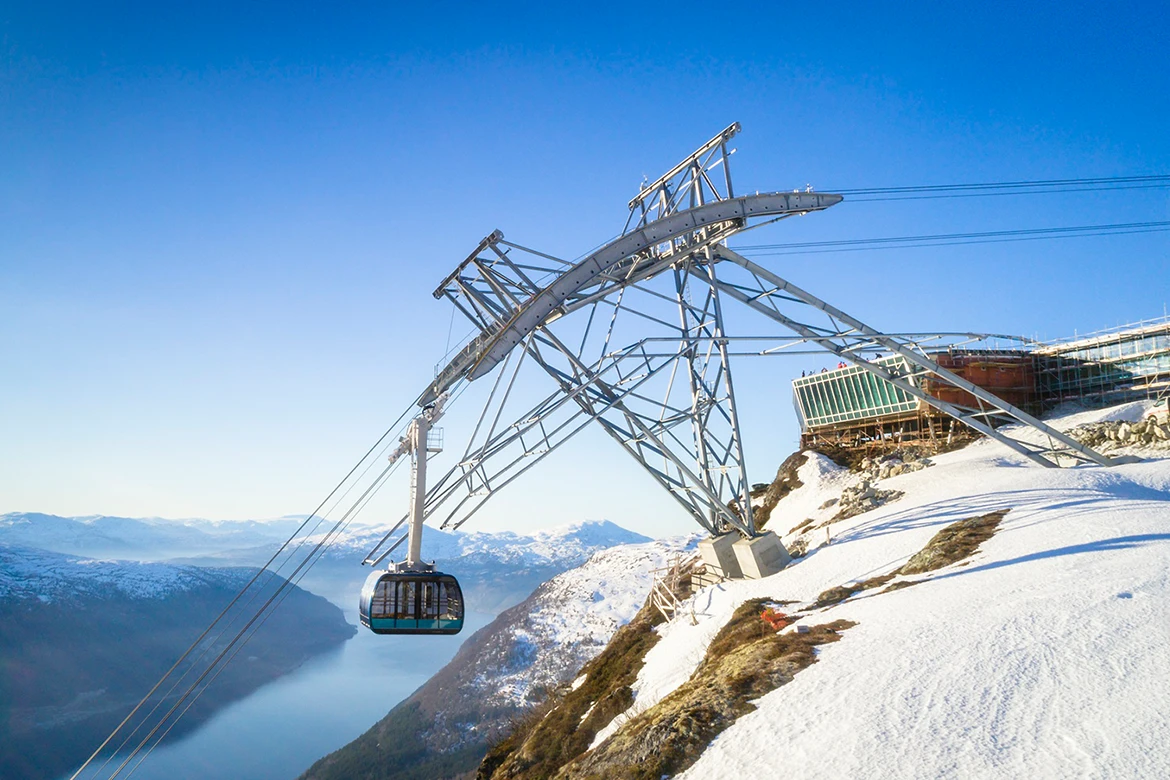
(746, 660)
(838, 594)
(954, 543)
(949, 546)
(801, 527)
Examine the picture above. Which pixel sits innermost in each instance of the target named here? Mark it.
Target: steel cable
(948, 239)
(186, 653)
(312, 560)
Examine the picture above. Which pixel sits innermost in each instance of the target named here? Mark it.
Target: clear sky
(220, 225)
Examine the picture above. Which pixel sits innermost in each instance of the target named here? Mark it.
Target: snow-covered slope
(507, 667)
(1044, 655)
(570, 618)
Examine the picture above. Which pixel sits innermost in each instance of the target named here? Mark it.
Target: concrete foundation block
(762, 556)
(719, 555)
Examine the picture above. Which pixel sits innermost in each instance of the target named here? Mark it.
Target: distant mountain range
(251, 541)
(149, 538)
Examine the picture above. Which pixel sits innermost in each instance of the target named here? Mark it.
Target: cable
(1036, 187)
(277, 598)
(284, 585)
(312, 560)
(186, 653)
(947, 239)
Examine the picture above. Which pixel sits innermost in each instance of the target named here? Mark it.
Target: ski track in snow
(1045, 655)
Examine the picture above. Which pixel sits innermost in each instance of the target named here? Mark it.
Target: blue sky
(220, 226)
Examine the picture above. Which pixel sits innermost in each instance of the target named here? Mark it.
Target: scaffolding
(1126, 363)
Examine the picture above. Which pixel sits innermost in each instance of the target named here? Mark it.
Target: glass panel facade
(847, 394)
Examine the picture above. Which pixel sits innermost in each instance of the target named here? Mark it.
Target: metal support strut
(649, 362)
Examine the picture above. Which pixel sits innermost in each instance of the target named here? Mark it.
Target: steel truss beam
(691, 181)
(608, 393)
(647, 429)
(509, 300)
(774, 297)
(667, 399)
(718, 448)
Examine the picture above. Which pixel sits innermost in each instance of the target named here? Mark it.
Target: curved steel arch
(678, 227)
(492, 345)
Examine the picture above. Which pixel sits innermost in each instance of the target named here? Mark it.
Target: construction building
(850, 408)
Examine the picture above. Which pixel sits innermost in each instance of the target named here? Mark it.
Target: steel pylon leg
(714, 419)
(640, 437)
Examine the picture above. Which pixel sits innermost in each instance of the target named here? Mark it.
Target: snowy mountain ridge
(572, 543)
(33, 573)
(155, 538)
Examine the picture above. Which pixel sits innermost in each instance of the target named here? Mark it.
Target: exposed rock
(785, 482)
(892, 464)
(1112, 435)
(862, 498)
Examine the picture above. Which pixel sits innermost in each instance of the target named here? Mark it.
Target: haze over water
(282, 728)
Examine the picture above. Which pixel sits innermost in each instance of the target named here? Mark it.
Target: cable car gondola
(410, 597)
(411, 602)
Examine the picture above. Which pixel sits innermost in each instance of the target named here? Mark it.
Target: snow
(47, 576)
(822, 479)
(572, 616)
(1045, 655)
(154, 538)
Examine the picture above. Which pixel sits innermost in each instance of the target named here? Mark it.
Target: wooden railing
(673, 584)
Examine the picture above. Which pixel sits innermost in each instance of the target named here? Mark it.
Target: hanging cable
(284, 585)
(282, 593)
(1036, 187)
(949, 239)
(236, 599)
(244, 610)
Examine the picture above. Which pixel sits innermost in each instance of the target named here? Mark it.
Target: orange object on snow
(777, 620)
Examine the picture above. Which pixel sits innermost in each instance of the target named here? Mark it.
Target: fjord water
(278, 731)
